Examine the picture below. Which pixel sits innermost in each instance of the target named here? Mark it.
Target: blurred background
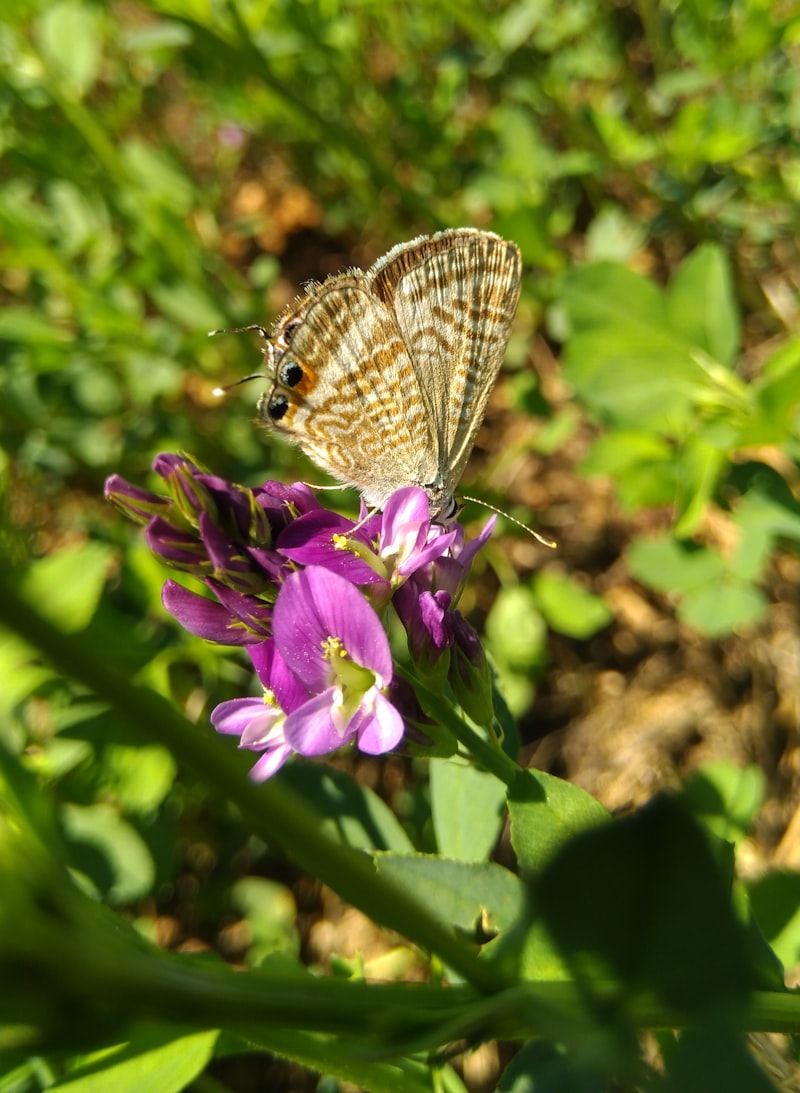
(173, 168)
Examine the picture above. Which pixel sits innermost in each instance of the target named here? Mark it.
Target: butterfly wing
(346, 392)
(453, 296)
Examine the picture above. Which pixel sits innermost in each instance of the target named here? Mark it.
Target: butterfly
(382, 377)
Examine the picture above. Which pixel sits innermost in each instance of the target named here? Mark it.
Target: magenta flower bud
(470, 675)
(178, 548)
(137, 504)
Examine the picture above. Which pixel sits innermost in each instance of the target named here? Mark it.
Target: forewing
(357, 410)
(454, 296)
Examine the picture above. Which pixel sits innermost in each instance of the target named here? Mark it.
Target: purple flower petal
(137, 504)
(315, 605)
(202, 617)
(251, 612)
(310, 730)
(270, 762)
(309, 540)
(469, 551)
(178, 548)
(381, 729)
(238, 716)
(275, 675)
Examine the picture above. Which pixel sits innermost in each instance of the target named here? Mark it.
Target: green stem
(487, 753)
(272, 810)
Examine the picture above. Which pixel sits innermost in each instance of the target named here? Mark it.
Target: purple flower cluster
(307, 592)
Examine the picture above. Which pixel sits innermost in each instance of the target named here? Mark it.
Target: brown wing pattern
(454, 296)
(357, 411)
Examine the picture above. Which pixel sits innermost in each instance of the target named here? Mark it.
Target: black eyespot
(277, 407)
(290, 330)
(290, 374)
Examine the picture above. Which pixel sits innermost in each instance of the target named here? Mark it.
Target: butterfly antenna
(262, 330)
(545, 540)
(220, 391)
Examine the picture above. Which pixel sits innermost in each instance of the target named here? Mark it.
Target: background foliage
(172, 168)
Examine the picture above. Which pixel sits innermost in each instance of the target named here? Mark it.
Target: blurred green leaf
(138, 777)
(641, 464)
(270, 911)
(109, 851)
(702, 305)
(154, 1058)
(672, 567)
(349, 812)
(66, 586)
(775, 899)
(515, 629)
(725, 798)
(661, 913)
(623, 357)
(568, 607)
(717, 609)
(69, 35)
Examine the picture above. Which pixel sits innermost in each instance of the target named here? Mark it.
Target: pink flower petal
(310, 730)
(382, 729)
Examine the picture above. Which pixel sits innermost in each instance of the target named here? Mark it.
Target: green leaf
(643, 904)
(719, 609)
(725, 798)
(66, 586)
(29, 326)
(775, 900)
(713, 1058)
(350, 813)
(515, 630)
(109, 851)
(21, 672)
(467, 806)
(138, 777)
(702, 304)
(623, 356)
(156, 1058)
(68, 33)
(568, 607)
(698, 471)
(671, 567)
(545, 812)
(776, 396)
(466, 894)
(642, 466)
(270, 911)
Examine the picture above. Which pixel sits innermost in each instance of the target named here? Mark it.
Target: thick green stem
(272, 810)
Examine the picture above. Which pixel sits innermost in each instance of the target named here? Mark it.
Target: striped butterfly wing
(346, 392)
(454, 296)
